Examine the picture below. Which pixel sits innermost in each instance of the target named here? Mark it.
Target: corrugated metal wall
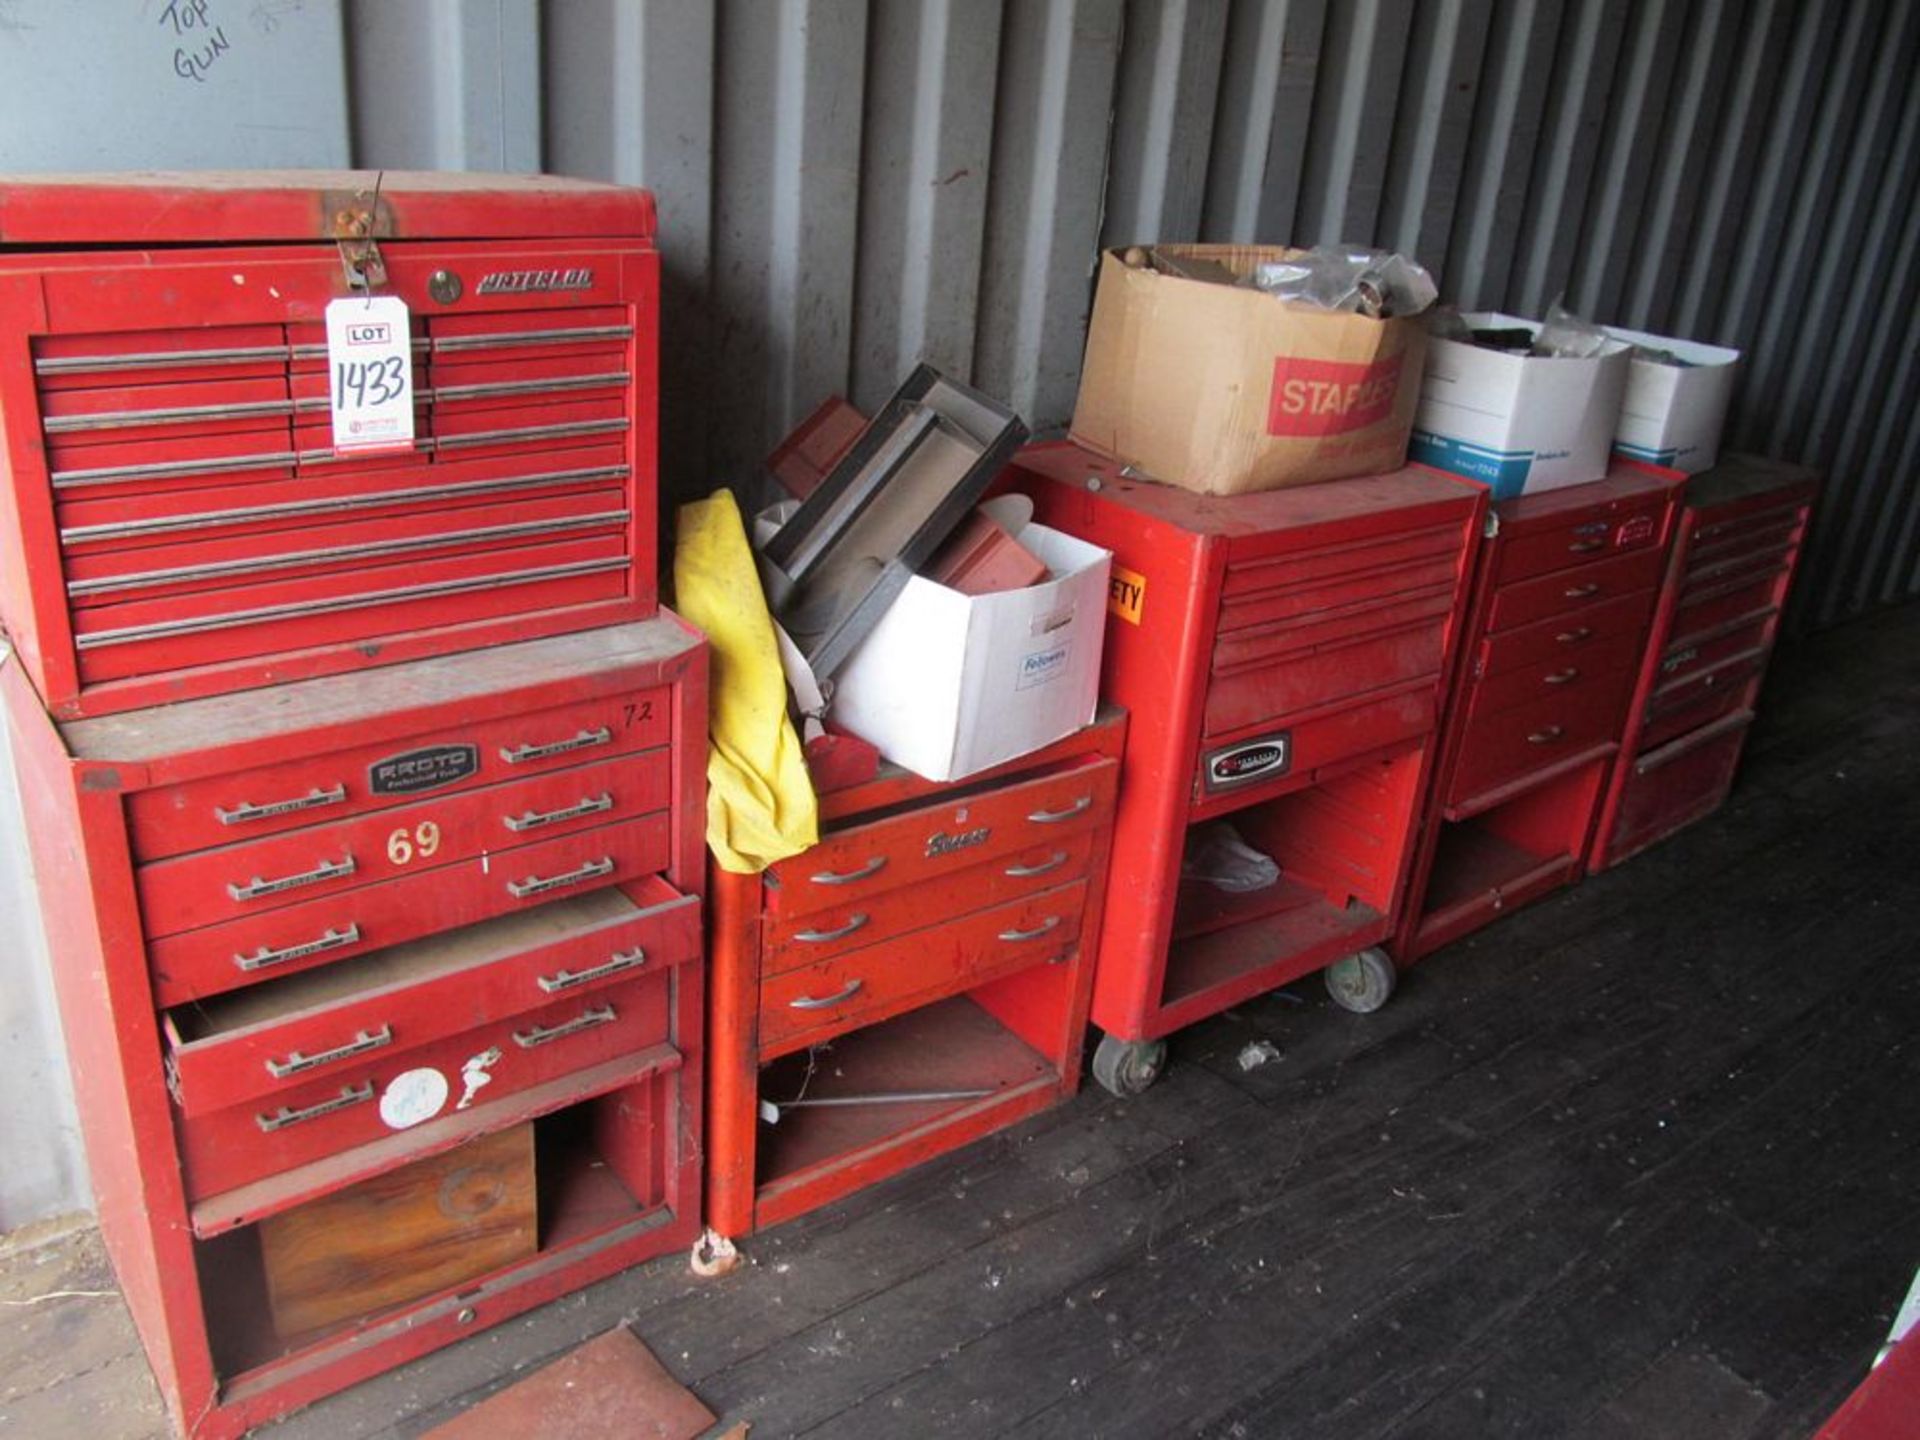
(849, 185)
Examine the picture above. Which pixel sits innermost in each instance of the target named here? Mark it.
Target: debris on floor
(1256, 1053)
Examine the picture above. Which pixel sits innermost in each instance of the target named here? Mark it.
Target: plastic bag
(1218, 856)
(1374, 283)
(1568, 336)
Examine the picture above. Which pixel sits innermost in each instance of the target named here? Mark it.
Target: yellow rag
(760, 803)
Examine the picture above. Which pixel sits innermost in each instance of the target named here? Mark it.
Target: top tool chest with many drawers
(174, 520)
(348, 956)
(1281, 657)
(1737, 542)
(1563, 596)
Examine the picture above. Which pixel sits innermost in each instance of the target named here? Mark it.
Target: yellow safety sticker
(1126, 594)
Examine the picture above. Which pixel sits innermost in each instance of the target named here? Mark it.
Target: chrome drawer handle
(1052, 922)
(283, 1117)
(1575, 635)
(1547, 736)
(1053, 817)
(534, 819)
(325, 870)
(1027, 872)
(332, 940)
(1561, 677)
(362, 1042)
(1581, 592)
(1587, 547)
(312, 800)
(520, 754)
(817, 937)
(822, 1002)
(567, 979)
(547, 1034)
(538, 885)
(847, 877)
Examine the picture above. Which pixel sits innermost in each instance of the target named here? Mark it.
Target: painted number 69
(404, 844)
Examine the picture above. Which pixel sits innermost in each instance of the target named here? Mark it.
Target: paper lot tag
(370, 373)
(1330, 397)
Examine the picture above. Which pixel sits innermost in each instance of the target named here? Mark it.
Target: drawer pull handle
(1587, 547)
(1027, 872)
(567, 979)
(362, 1042)
(521, 754)
(547, 1034)
(1054, 817)
(847, 877)
(540, 885)
(535, 819)
(1575, 635)
(1052, 922)
(1581, 592)
(312, 800)
(817, 937)
(1546, 736)
(283, 1117)
(1561, 677)
(325, 870)
(821, 1002)
(265, 956)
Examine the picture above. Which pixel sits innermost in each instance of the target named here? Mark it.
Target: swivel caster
(1362, 982)
(1128, 1067)
(713, 1255)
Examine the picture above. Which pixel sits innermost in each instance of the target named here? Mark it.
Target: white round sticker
(413, 1096)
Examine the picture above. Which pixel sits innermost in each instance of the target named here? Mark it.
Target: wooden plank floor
(1639, 1161)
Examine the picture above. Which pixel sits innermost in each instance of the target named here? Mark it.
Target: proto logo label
(424, 769)
(1126, 594)
(371, 332)
(1330, 397)
(1636, 531)
(1252, 760)
(1042, 666)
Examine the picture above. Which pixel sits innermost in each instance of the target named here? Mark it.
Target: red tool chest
(1563, 597)
(1737, 540)
(937, 941)
(310, 934)
(175, 520)
(1281, 657)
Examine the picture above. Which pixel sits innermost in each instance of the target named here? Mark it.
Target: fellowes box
(1673, 413)
(1223, 389)
(1517, 423)
(950, 684)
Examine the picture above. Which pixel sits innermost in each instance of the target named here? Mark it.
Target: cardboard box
(1223, 389)
(1673, 414)
(1518, 423)
(950, 684)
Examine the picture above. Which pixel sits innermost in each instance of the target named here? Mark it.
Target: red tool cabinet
(1281, 656)
(1737, 540)
(1563, 597)
(290, 925)
(174, 519)
(939, 939)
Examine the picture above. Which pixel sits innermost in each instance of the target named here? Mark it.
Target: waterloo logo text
(528, 282)
(1330, 397)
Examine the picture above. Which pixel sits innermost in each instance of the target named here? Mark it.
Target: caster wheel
(1128, 1067)
(713, 1256)
(1362, 982)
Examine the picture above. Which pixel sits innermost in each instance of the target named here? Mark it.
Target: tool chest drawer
(926, 843)
(1567, 592)
(1502, 747)
(307, 932)
(272, 1038)
(189, 526)
(1703, 694)
(201, 814)
(861, 986)
(254, 877)
(1580, 673)
(1564, 639)
(1584, 537)
(1675, 783)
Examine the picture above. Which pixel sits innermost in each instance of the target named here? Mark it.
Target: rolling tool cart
(1563, 597)
(175, 517)
(383, 993)
(917, 979)
(1281, 657)
(1738, 536)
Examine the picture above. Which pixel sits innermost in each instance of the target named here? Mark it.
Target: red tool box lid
(269, 206)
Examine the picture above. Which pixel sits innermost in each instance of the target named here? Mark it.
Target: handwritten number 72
(359, 383)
